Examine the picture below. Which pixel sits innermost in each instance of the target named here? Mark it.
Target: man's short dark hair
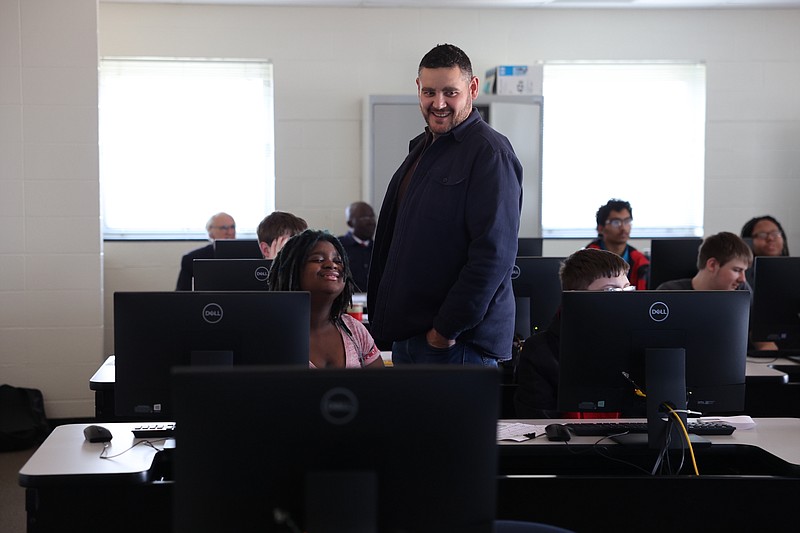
(580, 269)
(611, 205)
(278, 224)
(724, 247)
(446, 56)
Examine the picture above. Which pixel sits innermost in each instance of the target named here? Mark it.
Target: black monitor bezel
(536, 279)
(672, 258)
(530, 246)
(776, 301)
(230, 274)
(606, 333)
(157, 331)
(427, 433)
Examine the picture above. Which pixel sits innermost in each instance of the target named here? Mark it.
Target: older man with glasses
(219, 226)
(614, 221)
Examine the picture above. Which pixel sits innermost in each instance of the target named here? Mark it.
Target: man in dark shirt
(446, 241)
(358, 241)
(219, 226)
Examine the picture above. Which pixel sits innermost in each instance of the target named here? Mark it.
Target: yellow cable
(686, 436)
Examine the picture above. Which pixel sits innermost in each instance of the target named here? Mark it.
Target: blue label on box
(512, 70)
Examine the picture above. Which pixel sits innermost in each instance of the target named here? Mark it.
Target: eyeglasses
(629, 288)
(762, 235)
(619, 222)
(225, 228)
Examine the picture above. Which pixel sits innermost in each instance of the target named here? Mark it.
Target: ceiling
(499, 4)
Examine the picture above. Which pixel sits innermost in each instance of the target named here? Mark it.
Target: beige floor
(12, 496)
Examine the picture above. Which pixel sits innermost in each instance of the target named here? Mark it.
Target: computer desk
(756, 472)
(69, 488)
(748, 481)
(773, 387)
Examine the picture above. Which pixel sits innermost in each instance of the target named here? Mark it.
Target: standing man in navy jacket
(440, 277)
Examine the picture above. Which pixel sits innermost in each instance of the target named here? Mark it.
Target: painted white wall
(327, 60)
(51, 263)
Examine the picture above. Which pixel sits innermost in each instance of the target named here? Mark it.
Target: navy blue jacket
(359, 257)
(444, 259)
(187, 266)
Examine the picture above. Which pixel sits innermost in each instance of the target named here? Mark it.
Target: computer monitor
(537, 292)
(529, 246)
(237, 249)
(231, 274)
(156, 331)
(698, 339)
(336, 450)
(776, 301)
(673, 259)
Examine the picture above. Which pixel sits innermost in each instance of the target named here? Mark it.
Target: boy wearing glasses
(589, 269)
(614, 220)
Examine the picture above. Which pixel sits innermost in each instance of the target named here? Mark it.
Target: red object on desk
(591, 415)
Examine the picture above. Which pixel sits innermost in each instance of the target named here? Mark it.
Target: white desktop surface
(764, 368)
(105, 375)
(66, 456)
(777, 436)
(66, 453)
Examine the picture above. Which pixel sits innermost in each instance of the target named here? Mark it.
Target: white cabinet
(390, 122)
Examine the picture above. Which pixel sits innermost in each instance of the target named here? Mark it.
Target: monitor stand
(341, 502)
(665, 374)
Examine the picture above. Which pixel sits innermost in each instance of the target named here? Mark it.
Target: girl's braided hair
(287, 267)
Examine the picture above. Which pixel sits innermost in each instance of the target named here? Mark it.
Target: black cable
(149, 443)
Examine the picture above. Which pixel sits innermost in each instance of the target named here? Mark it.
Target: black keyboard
(604, 429)
(155, 430)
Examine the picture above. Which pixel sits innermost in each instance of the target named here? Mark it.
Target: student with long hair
(315, 261)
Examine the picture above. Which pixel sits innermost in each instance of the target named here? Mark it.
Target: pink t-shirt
(362, 342)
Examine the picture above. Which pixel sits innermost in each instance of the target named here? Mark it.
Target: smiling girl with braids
(315, 261)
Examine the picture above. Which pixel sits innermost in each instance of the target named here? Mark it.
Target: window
(181, 140)
(631, 131)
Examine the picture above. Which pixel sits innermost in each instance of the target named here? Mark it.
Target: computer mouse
(558, 432)
(97, 434)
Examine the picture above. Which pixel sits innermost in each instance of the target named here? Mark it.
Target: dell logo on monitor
(515, 272)
(659, 311)
(212, 313)
(262, 273)
(339, 406)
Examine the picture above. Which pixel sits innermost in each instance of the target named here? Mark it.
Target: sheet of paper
(739, 422)
(517, 431)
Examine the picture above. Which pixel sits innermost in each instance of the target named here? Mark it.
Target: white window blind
(631, 131)
(181, 140)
